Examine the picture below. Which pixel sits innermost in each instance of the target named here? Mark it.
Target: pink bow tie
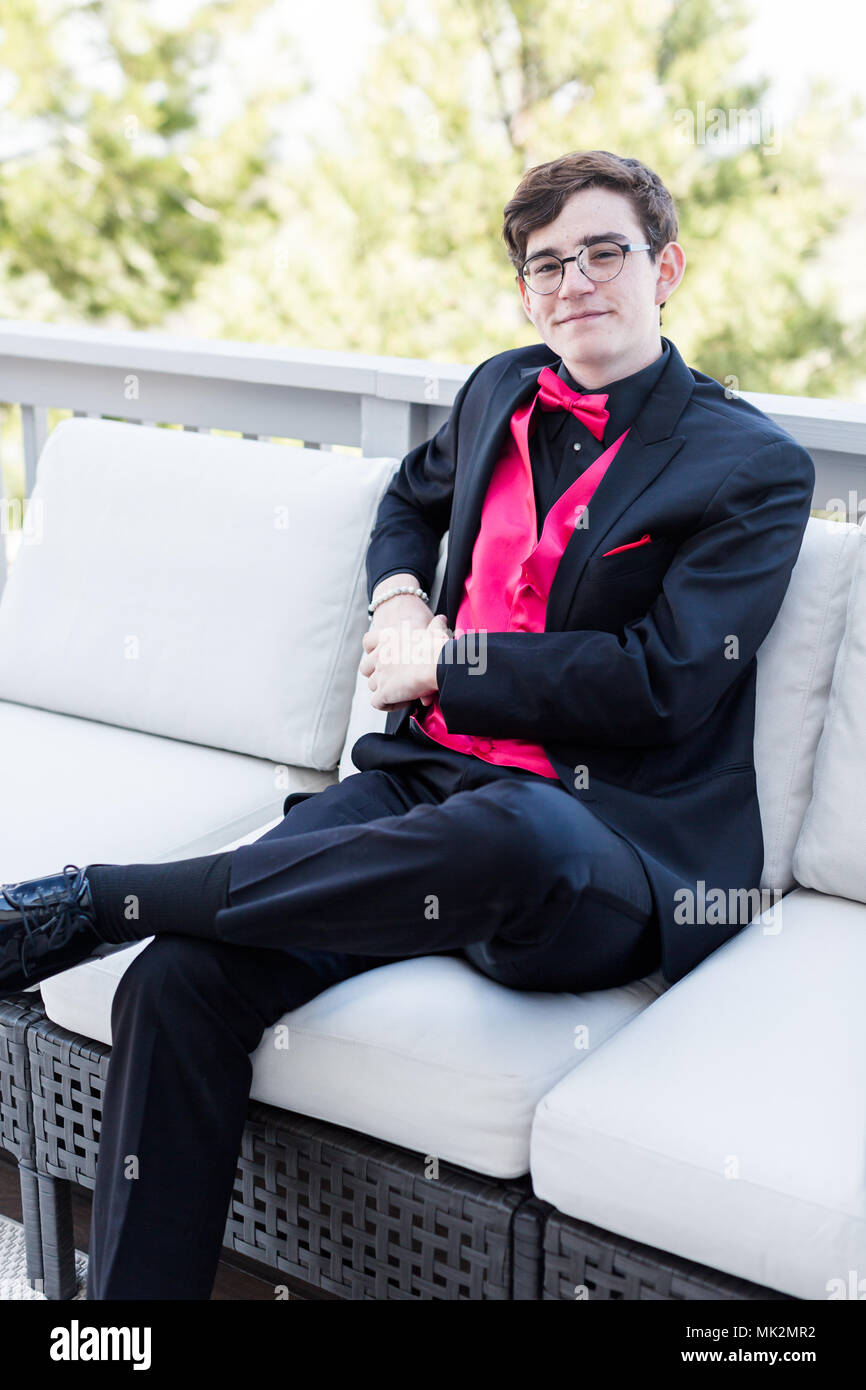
(554, 394)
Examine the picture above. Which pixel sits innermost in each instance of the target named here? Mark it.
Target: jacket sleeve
(662, 675)
(395, 569)
(415, 510)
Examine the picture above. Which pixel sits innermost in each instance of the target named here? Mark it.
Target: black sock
(133, 901)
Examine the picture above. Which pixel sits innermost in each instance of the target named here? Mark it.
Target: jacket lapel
(516, 386)
(648, 447)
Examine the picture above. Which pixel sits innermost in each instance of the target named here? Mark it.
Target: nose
(574, 279)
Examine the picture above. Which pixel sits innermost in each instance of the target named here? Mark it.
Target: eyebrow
(590, 241)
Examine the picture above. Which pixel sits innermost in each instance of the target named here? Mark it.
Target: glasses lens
(603, 260)
(543, 274)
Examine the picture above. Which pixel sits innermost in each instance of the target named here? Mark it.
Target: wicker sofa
(428, 1133)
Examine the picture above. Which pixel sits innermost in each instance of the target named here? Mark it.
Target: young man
(568, 748)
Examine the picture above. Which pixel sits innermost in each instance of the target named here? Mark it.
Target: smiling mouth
(578, 318)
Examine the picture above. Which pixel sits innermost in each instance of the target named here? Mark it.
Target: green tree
(114, 195)
(396, 231)
(122, 205)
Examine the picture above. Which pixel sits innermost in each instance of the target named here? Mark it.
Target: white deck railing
(376, 405)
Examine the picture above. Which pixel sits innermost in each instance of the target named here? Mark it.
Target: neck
(592, 375)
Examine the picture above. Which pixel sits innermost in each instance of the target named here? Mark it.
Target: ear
(524, 298)
(669, 271)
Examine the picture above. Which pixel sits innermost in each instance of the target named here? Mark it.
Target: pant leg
(516, 865)
(610, 936)
(186, 1015)
(188, 1012)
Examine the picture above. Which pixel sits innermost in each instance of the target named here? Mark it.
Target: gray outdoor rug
(13, 1266)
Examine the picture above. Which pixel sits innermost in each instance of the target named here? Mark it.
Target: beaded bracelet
(404, 589)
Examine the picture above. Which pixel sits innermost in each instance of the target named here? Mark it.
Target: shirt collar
(626, 396)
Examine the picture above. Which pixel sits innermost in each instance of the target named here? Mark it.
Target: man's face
(620, 331)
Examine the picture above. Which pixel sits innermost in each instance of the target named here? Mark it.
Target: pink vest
(508, 585)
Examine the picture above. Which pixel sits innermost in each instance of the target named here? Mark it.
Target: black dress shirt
(561, 447)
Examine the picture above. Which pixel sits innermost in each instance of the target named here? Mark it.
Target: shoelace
(64, 916)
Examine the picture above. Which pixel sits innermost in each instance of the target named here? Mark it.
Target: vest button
(484, 745)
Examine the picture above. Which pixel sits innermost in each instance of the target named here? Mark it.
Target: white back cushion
(194, 586)
(795, 667)
(829, 853)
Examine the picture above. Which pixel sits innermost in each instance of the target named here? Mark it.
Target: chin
(585, 348)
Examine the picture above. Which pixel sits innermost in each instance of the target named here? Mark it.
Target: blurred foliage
(113, 199)
(388, 240)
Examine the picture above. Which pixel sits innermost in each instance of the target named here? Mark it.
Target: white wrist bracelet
(404, 589)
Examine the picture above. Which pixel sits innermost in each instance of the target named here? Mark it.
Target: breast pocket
(645, 539)
(646, 555)
(617, 588)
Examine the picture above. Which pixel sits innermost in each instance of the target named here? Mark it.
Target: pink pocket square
(644, 540)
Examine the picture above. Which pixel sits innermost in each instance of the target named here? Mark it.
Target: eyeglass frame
(623, 246)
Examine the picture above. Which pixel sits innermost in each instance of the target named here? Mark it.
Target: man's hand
(401, 607)
(400, 658)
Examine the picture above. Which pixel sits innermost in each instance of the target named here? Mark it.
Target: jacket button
(576, 448)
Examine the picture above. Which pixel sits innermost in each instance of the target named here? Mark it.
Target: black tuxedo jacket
(641, 688)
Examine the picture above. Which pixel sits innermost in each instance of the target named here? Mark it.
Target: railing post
(386, 427)
(34, 432)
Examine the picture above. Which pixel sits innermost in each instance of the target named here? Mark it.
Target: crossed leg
(517, 875)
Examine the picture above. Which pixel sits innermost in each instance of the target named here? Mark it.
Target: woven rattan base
(357, 1217)
(354, 1217)
(585, 1262)
(342, 1212)
(17, 1013)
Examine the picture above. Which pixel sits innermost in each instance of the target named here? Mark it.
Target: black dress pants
(424, 851)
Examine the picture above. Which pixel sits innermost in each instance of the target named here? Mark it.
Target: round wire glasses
(543, 273)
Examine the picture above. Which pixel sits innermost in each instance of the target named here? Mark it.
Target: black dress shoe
(47, 925)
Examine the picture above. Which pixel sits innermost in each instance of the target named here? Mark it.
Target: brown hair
(544, 189)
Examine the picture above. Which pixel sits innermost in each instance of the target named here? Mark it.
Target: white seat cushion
(76, 791)
(829, 854)
(427, 1052)
(795, 666)
(726, 1124)
(194, 586)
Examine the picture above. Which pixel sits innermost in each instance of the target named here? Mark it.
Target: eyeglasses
(604, 260)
